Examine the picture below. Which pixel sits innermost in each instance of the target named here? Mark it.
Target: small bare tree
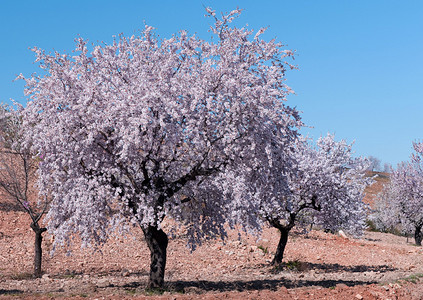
(375, 164)
(18, 169)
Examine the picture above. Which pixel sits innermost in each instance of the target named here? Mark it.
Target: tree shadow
(10, 292)
(372, 240)
(303, 267)
(117, 273)
(9, 207)
(264, 284)
(328, 268)
(204, 286)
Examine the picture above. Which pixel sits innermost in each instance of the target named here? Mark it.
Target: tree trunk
(281, 245)
(38, 251)
(157, 243)
(418, 235)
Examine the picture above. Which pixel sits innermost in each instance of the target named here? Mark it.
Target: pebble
(102, 283)
(45, 277)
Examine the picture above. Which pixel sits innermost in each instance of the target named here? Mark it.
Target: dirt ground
(317, 266)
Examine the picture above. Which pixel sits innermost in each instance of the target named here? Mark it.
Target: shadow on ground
(10, 292)
(8, 207)
(202, 286)
(300, 266)
(353, 269)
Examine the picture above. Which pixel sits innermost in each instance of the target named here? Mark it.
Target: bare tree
(387, 168)
(375, 164)
(18, 169)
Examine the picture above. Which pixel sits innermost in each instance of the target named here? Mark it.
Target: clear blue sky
(361, 61)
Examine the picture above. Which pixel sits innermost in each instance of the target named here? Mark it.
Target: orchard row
(193, 130)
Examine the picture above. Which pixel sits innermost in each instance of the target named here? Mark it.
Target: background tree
(322, 185)
(18, 170)
(400, 205)
(375, 164)
(387, 167)
(133, 130)
(386, 216)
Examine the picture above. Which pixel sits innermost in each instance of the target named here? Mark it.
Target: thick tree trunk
(157, 243)
(38, 251)
(418, 236)
(281, 245)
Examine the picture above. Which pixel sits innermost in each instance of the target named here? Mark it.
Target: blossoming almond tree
(323, 185)
(18, 176)
(133, 130)
(415, 210)
(401, 202)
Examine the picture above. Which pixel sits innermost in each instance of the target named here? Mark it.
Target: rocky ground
(317, 266)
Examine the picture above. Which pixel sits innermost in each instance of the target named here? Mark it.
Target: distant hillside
(381, 179)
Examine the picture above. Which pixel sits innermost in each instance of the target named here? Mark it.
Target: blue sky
(360, 62)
